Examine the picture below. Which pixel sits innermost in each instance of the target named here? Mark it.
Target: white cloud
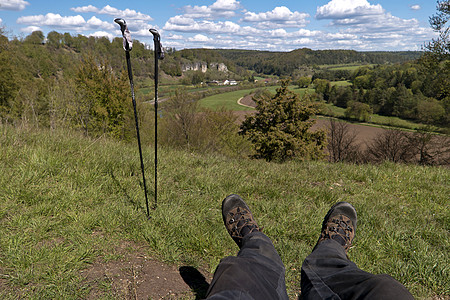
(199, 38)
(225, 5)
(183, 24)
(173, 37)
(279, 17)
(337, 9)
(55, 20)
(30, 29)
(197, 12)
(142, 33)
(181, 21)
(126, 14)
(95, 22)
(103, 34)
(219, 9)
(415, 7)
(13, 4)
(371, 27)
(385, 22)
(112, 11)
(85, 9)
(75, 23)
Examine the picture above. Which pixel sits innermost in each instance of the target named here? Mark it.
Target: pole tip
(154, 32)
(122, 24)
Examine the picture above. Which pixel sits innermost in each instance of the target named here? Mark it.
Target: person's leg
(257, 271)
(327, 273)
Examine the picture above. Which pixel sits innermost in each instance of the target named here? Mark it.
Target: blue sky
(362, 25)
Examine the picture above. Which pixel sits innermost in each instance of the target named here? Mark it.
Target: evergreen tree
(280, 129)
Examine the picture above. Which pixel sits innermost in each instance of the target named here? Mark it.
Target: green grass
(226, 100)
(229, 100)
(67, 201)
(341, 83)
(349, 67)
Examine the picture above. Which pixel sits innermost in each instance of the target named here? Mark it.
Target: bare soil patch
(364, 133)
(137, 276)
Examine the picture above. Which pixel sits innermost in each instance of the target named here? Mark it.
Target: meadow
(68, 202)
(229, 100)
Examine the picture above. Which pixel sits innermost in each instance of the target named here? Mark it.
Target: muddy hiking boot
(339, 224)
(238, 218)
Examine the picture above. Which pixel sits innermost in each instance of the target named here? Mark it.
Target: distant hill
(284, 63)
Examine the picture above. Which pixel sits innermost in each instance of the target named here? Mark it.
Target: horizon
(359, 25)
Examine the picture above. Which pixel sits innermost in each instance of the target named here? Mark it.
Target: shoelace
(340, 231)
(240, 223)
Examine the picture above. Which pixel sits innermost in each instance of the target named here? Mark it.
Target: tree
(280, 129)
(54, 39)
(430, 111)
(391, 145)
(182, 121)
(431, 149)
(8, 82)
(36, 37)
(320, 85)
(440, 47)
(359, 111)
(342, 142)
(104, 97)
(304, 81)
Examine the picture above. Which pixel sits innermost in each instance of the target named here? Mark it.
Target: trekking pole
(127, 46)
(159, 54)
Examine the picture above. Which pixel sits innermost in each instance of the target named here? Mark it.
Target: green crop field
(226, 100)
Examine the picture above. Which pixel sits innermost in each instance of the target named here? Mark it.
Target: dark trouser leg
(327, 273)
(256, 271)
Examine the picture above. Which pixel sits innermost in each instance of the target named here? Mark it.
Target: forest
(416, 90)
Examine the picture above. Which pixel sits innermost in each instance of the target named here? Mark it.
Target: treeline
(287, 63)
(418, 91)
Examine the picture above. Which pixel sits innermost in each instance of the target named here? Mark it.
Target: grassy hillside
(67, 201)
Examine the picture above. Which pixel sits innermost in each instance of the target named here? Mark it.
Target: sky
(362, 25)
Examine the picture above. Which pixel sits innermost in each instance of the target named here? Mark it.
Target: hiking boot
(340, 225)
(238, 218)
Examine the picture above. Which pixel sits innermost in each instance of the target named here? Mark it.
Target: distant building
(229, 82)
